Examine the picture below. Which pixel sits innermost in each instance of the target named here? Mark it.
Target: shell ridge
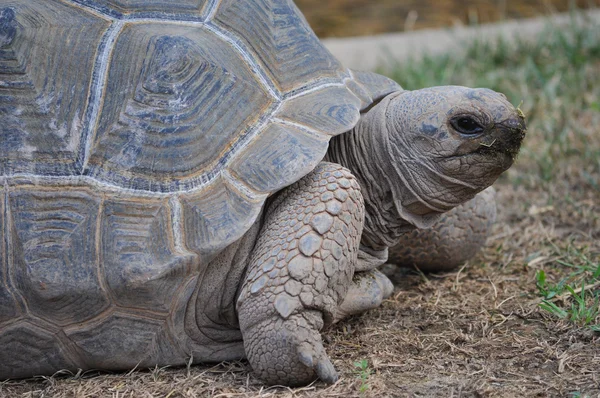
(135, 19)
(5, 274)
(313, 86)
(83, 180)
(300, 126)
(8, 221)
(251, 61)
(97, 10)
(174, 18)
(98, 86)
(4, 226)
(212, 9)
(100, 272)
(97, 318)
(242, 187)
(370, 87)
(107, 11)
(175, 212)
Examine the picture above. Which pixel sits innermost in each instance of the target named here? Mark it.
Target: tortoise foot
(367, 291)
(289, 351)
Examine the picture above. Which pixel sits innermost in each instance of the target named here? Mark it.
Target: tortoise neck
(377, 153)
(357, 150)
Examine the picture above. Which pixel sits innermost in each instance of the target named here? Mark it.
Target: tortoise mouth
(506, 139)
(509, 145)
(513, 133)
(494, 154)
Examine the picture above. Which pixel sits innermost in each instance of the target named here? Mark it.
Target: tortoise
(201, 180)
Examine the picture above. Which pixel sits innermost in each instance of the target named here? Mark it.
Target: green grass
(363, 372)
(575, 297)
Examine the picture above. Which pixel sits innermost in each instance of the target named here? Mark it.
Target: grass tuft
(363, 372)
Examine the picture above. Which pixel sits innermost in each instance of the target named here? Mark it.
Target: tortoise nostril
(515, 123)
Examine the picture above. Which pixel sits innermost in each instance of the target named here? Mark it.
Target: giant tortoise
(201, 180)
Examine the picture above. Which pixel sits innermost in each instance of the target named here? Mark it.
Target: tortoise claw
(326, 371)
(316, 358)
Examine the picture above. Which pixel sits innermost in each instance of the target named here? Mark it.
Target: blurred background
(343, 18)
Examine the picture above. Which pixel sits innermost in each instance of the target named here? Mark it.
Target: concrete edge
(371, 52)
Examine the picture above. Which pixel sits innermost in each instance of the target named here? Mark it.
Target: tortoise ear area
(370, 88)
(373, 104)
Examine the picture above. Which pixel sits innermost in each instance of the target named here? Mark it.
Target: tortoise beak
(514, 130)
(515, 123)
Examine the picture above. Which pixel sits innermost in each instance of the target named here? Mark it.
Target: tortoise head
(448, 143)
(420, 153)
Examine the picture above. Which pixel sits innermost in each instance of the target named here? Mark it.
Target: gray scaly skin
(411, 157)
(455, 238)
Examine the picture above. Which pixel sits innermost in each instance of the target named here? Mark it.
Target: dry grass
(478, 331)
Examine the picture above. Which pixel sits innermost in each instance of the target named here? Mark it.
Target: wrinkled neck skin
(396, 181)
(383, 223)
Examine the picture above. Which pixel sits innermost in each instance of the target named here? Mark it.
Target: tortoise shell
(139, 139)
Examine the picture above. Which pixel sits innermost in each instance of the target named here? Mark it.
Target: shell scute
(217, 216)
(282, 39)
(119, 341)
(142, 266)
(54, 256)
(330, 110)
(43, 101)
(39, 351)
(178, 97)
(279, 156)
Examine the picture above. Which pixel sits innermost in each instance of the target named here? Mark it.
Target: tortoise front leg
(298, 275)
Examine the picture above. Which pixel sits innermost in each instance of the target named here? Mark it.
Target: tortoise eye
(466, 125)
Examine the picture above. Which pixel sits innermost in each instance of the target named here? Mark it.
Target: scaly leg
(299, 273)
